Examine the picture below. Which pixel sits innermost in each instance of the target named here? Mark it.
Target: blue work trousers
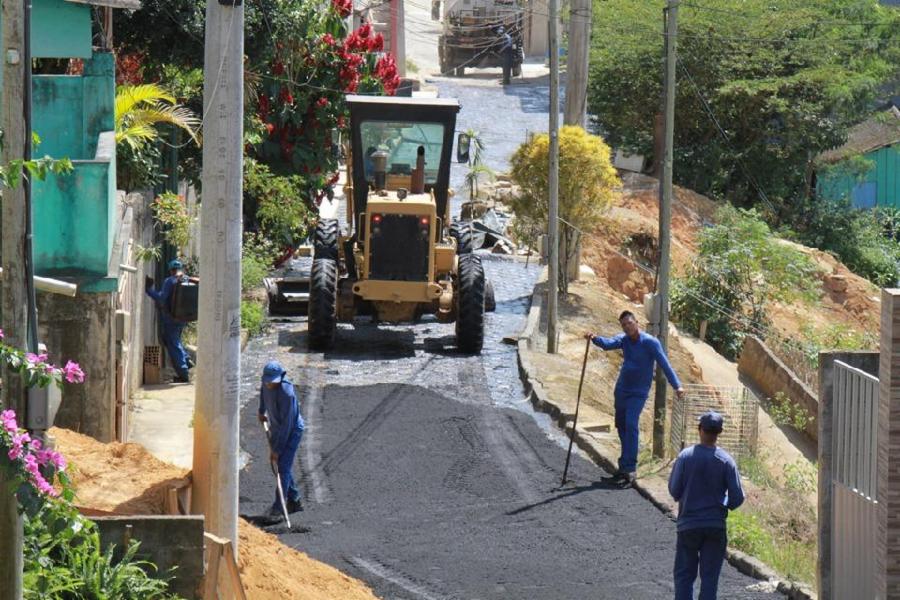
(628, 417)
(700, 549)
(172, 339)
(286, 468)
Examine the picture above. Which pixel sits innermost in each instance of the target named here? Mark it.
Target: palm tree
(140, 108)
(478, 171)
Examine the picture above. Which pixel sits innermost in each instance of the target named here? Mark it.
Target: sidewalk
(161, 420)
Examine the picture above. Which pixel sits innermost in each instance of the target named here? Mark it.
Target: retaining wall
(769, 375)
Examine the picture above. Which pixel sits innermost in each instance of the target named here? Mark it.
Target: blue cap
(175, 264)
(711, 421)
(273, 372)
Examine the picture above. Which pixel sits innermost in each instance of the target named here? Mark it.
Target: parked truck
(474, 35)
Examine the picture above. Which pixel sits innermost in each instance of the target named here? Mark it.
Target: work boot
(294, 506)
(617, 477)
(182, 377)
(274, 514)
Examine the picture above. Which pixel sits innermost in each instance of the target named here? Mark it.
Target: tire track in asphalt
(318, 480)
(402, 581)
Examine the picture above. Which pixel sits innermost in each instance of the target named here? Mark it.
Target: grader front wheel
(470, 307)
(323, 303)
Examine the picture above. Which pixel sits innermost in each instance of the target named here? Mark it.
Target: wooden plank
(231, 565)
(211, 577)
(172, 501)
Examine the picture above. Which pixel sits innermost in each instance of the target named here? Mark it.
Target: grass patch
(793, 558)
(253, 317)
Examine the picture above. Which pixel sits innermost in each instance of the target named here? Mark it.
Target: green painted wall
(881, 183)
(74, 214)
(60, 29)
(74, 221)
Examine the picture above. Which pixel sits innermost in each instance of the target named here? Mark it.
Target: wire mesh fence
(736, 404)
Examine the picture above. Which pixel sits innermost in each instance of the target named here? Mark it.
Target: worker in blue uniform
(706, 484)
(279, 407)
(172, 328)
(641, 351)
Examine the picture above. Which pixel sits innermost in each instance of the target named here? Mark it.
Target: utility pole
(14, 294)
(665, 226)
(578, 62)
(216, 419)
(553, 183)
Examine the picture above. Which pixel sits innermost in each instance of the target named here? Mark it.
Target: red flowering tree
(312, 65)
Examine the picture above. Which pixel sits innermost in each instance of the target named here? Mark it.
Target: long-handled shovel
(274, 466)
(587, 349)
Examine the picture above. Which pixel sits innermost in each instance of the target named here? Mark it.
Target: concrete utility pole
(665, 226)
(553, 183)
(578, 62)
(216, 417)
(14, 295)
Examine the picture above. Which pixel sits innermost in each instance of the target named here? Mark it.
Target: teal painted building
(75, 214)
(866, 169)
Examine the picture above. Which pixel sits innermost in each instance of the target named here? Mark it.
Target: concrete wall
(166, 541)
(769, 376)
(83, 329)
(138, 314)
(865, 361)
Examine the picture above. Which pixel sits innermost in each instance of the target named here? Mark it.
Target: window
(401, 141)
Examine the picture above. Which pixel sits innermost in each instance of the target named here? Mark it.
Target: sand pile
(127, 479)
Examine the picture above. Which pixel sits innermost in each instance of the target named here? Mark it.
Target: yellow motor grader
(400, 257)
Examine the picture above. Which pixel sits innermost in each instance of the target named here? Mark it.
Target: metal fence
(854, 482)
(738, 406)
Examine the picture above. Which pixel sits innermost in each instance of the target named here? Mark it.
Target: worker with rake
(279, 411)
(641, 351)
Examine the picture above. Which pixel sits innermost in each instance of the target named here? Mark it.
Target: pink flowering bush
(34, 368)
(27, 461)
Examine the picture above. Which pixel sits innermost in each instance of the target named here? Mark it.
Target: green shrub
(278, 204)
(253, 317)
(785, 411)
(792, 558)
(257, 257)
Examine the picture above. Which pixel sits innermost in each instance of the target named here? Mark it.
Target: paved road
(426, 473)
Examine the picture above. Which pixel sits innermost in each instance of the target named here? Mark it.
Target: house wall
(879, 187)
(74, 222)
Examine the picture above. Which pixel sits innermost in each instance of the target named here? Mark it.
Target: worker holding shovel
(280, 411)
(641, 351)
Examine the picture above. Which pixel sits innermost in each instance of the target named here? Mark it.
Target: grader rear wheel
(461, 231)
(325, 239)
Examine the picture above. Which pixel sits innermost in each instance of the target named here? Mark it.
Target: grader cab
(399, 257)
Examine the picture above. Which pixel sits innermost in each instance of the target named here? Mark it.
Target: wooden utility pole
(577, 63)
(553, 183)
(14, 295)
(665, 226)
(217, 408)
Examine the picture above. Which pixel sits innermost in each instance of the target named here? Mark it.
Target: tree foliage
(586, 182)
(784, 79)
(739, 269)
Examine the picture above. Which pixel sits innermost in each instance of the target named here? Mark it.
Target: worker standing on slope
(172, 328)
(641, 352)
(279, 407)
(706, 484)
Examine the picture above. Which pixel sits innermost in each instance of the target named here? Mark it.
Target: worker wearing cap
(279, 407)
(706, 484)
(641, 351)
(172, 329)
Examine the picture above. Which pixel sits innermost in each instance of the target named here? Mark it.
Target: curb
(746, 564)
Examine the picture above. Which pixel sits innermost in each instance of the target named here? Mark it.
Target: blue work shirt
(636, 374)
(706, 484)
(163, 297)
(282, 411)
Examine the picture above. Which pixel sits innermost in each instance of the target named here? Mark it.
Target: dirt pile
(624, 246)
(127, 479)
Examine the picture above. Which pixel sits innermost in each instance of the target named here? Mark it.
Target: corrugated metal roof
(879, 131)
(130, 4)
